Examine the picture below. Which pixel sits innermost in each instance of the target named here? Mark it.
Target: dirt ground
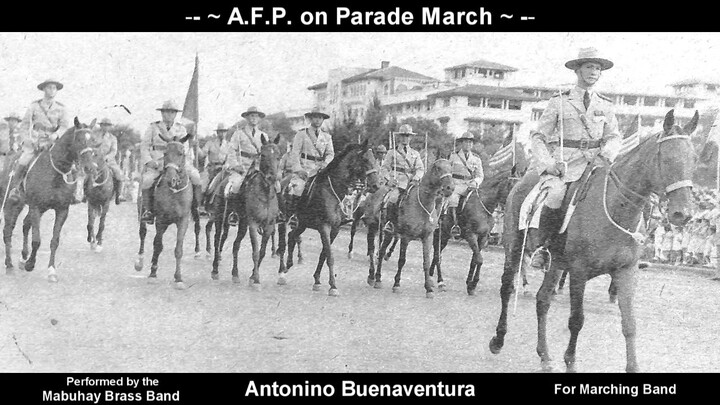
(103, 316)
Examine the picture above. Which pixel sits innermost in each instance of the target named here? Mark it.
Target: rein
(178, 169)
(106, 172)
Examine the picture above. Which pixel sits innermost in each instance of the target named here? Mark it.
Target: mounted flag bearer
(578, 126)
(44, 122)
(403, 166)
(152, 152)
(467, 171)
(312, 150)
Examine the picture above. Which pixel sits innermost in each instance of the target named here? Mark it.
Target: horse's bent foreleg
(11, 215)
(401, 263)
(160, 229)
(60, 217)
(35, 215)
(542, 306)
(513, 256)
(242, 230)
(577, 317)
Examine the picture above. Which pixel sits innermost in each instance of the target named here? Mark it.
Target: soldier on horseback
(49, 120)
(215, 152)
(152, 151)
(312, 150)
(587, 122)
(106, 142)
(9, 134)
(401, 168)
(468, 174)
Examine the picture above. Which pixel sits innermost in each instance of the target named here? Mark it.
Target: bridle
(85, 150)
(174, 181)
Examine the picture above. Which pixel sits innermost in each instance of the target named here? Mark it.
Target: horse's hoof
(612, 298)
(377, 285)
(29, 266)
(198, 255)
(215, 276)
(316, 287)
(52, 278)
(139, 264)
(471, 291)
(570, 368)
(208, 256)
(396, 289)
(430, 294)
(300, 261)
(9, 271)
(236, 280)
(153, 280)
(495, 345)
(21, 265)
(350, 255)
(547, 366)
(333, 292)
(282, 280)
(442, 287)
(93, 245)
(179, 285)
(387, 257)
(98, 249)
(371, 281)
(255, 286)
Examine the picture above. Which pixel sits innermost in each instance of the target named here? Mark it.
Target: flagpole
(426, 151)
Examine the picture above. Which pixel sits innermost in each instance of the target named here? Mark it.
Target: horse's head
(174, 163)
(361, 164)
(270, 159)
(439, 176)
(79, 141)
(676, 164)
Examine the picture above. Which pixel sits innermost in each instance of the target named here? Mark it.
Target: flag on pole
(632, 140)
(191, 110)
(502, 156)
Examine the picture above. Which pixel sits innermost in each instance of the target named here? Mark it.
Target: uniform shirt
(244, 148)
(288, 164)
(406, 165)
(216, 150)
(312, 151)
(598, 122)
(152, 144)
(106, 142)
(467, 167)
(50, 120)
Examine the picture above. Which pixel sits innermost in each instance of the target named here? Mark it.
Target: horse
(258, 209)
(475, 218)
(320, 208)
(98, 193)
(47, 186)
(417, 218)
(602, 236)
(172, 204)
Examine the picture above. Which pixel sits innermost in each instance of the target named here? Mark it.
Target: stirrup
(293, 221)
(539, 254)
(233, 219)
(455, 231)
(389, 228)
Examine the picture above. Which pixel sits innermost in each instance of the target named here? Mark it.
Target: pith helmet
(588, 55)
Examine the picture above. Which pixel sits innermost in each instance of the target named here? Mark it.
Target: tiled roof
(390, 73)
(485, 91)
(480, 63)
(318, 86)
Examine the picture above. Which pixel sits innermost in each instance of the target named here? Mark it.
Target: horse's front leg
(333, 292)
(475, 262)
(34, 214)
(577, 317)
(142, 233)
(11, 216)
(241, 231)
(101, 226)
(208, 243)
(160, 229)
(182, 227)
(353, 229)
(542, 306)
(219, 225)
(91, 225)
(26, 228)
(372, 230)
(384, 243)
(60, 217)
(293, 239)
(196, 229)
(437, 256)
(513, 257)
(427, 259)
(401, 262)
(625, 280)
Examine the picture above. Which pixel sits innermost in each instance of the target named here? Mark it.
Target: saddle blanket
(531, 208)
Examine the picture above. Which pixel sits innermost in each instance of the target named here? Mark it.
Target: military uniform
(467, 171)
(49, 120)
(404, 166)
(312, 150)
(587, 132)
(106, 143)
(152, 149)
(243, 155)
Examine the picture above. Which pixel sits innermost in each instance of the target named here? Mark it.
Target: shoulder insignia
(564, 93)
(604, 97)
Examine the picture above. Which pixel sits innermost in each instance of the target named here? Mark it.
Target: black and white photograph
(360, 202)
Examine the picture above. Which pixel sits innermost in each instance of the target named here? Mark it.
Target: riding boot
(455, 231)
(550, 223)
(281, 207)
(291, 207)
(20, 172)
(85, 190)
(233, 217)
(197, 195)
(147, 216)
(116, 191)
(391, 211)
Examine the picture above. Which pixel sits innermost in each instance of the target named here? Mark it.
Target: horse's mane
(337, 159)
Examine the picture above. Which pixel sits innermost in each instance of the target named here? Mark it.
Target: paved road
(103, 316)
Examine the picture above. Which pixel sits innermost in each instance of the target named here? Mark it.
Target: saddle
(531, 207)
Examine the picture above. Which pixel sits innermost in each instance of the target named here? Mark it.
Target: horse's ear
(77, 123)
(277, 139)
(92, 124)
(263, 140)
(364, 145)
(669, 121)
(689, 128)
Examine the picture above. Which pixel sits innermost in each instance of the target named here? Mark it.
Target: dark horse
(47, 186)
(417, 218)
(602, 237)
(320, 207)
(258, 210)
(99, 193)
(172, 204)
(475, 219)
(370, 213)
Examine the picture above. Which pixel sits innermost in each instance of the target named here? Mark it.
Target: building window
(385, 89)
(514, 104)
(446, 102)
(475, 102)
(689, 103)
(670, 102)
(428, 106)
(483, 72)
(499, 75)
(711, 87)
(536, 114)
(630, 100)
(401, 88)
(495, 103)
(647, 121)
(651, 101)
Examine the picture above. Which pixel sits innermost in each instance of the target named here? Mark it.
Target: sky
(273, 70)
